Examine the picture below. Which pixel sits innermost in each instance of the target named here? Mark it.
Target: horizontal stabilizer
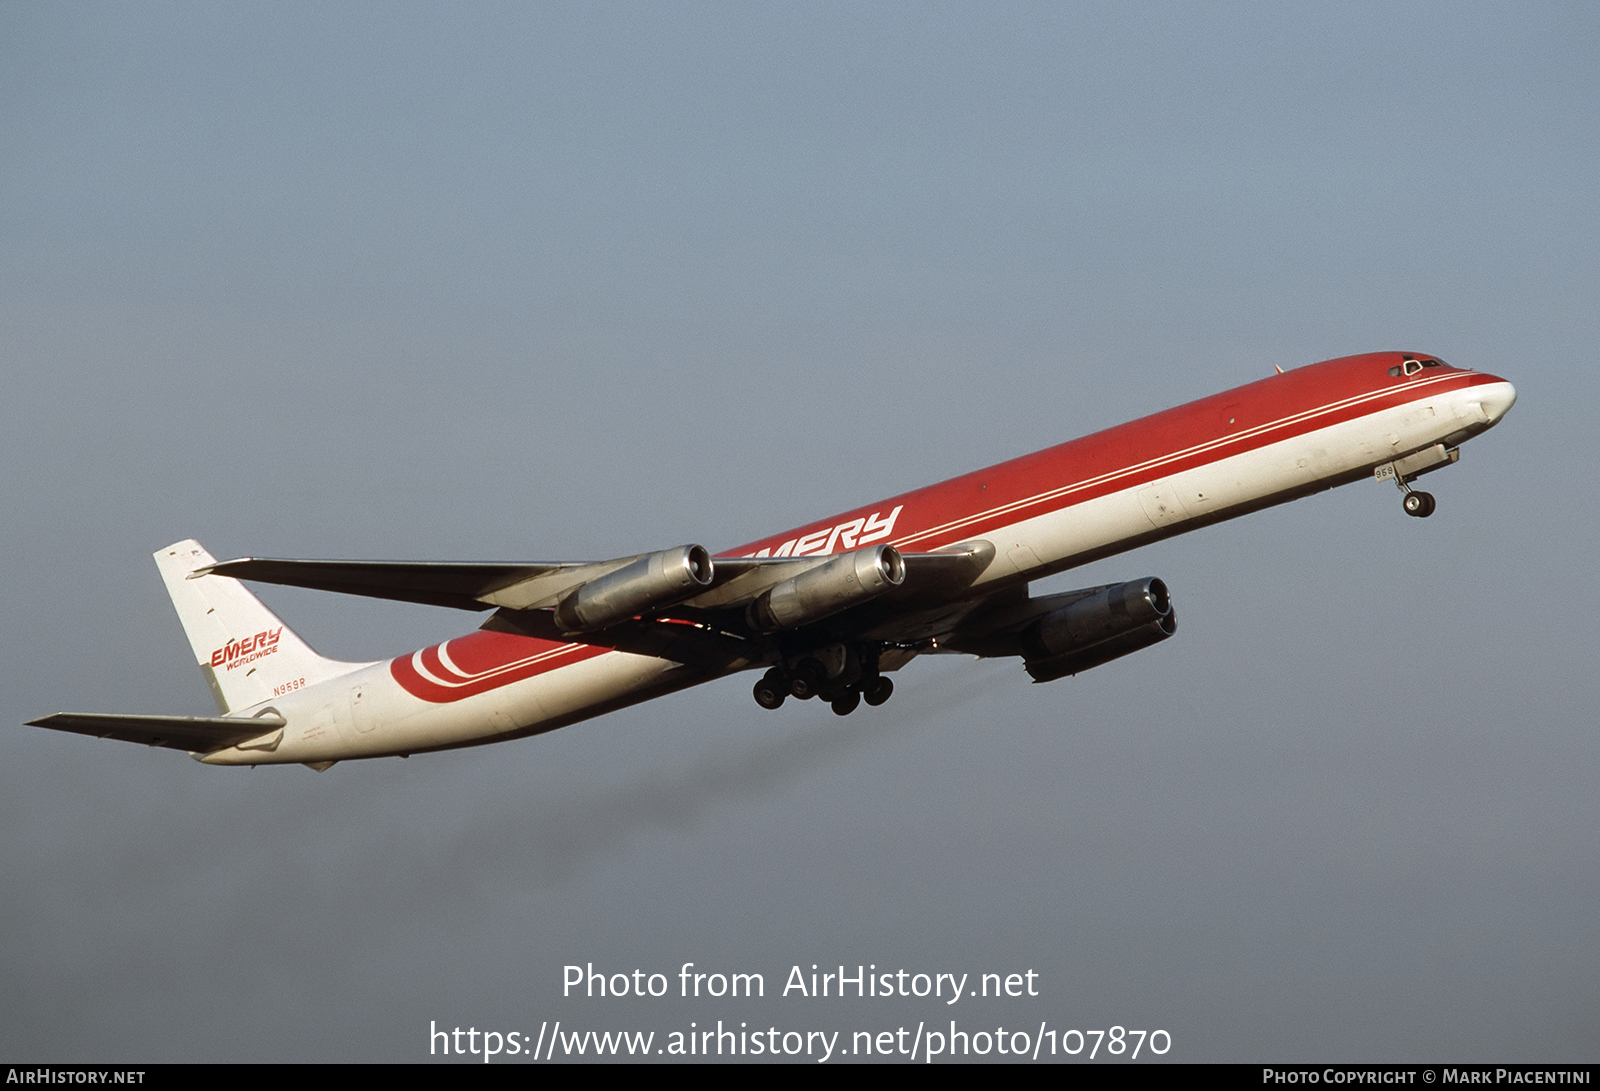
(193, 733)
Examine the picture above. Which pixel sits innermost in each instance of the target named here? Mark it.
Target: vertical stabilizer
(247, 655)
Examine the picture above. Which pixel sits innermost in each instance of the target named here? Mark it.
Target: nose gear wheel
(1419, 504)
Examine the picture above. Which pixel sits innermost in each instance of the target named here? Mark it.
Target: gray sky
(548, 282)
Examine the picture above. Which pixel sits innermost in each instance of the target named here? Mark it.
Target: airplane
(827, 610)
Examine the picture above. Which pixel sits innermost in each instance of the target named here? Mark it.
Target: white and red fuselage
(1285, 436)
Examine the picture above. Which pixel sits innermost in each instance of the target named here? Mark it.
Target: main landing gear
(853, 682)
(771, 691)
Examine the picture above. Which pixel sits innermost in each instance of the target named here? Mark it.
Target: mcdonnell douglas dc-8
(827, 610)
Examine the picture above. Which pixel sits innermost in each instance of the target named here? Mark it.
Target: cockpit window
(1412, 364)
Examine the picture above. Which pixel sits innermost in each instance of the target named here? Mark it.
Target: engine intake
(821, 592)
(648, 583)
(1104, 625)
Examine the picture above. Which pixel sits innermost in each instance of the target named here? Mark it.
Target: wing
(602, 593)
(193, 733)
(462, 586)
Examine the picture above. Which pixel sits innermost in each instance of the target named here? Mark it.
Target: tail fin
(246, 653)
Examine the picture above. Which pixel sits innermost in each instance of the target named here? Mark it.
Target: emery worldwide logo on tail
(236, 653)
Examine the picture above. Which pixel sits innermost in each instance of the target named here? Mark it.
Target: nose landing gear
(1419, 504)
(1402, 471)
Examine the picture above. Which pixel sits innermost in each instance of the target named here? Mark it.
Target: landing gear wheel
(843, 706)
(808, 679)
(770, 694)
(1420, 504)
(878, 691)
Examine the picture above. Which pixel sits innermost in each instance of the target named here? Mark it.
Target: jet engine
(1103, 625)
(648, 583)
(820, 592)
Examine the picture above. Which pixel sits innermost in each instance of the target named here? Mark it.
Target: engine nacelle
(820, 592)
(648, 583)
(1106, 625)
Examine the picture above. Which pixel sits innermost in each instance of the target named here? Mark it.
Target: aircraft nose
(1497, 399)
